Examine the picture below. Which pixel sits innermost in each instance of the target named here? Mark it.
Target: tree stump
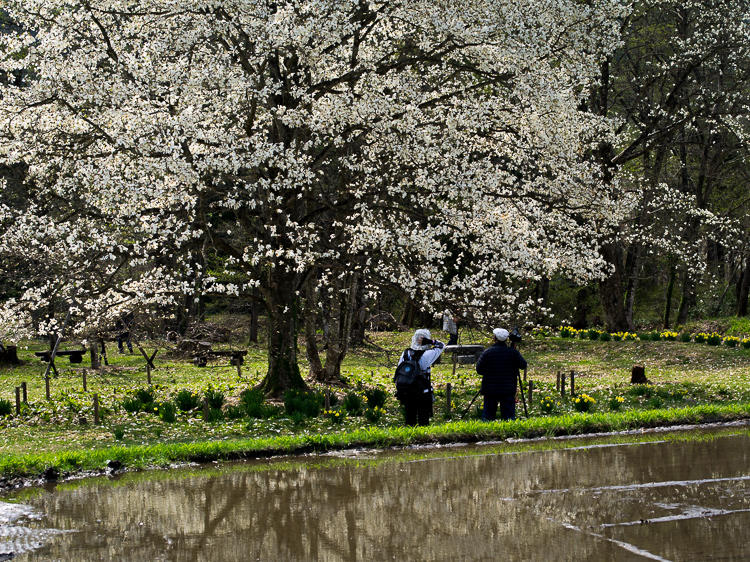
(8, 354)
(638, 375)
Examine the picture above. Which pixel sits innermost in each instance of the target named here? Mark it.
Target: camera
(428, 341)
(515, 335)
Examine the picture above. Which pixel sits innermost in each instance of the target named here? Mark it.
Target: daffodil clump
(713, 339)
(731, 341)
(547, 404)
(375, 413)
(615, 402)
(668, 335)
(568, 332)
(335, 416)
(583, 403)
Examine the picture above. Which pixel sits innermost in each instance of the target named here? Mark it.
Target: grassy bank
(167, 454)
(691, 383)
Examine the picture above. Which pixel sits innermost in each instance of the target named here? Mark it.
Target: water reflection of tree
(514, 505)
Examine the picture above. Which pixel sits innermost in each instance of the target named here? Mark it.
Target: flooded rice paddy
(646, 496)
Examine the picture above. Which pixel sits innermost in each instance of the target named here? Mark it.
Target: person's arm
(431, 355)
(520, 361)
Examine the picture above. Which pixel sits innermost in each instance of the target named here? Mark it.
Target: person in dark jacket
(499, 366)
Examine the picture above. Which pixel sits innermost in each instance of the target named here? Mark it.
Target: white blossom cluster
(181, 147)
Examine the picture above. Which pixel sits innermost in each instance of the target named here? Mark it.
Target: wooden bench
(465, 354)
(75, 355)
(236, 357)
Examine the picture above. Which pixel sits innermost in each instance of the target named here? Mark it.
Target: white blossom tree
(195, 147)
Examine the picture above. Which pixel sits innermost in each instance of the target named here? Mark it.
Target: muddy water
(660, 496)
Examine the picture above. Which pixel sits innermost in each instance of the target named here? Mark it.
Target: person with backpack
(499, 366)
(412, 378)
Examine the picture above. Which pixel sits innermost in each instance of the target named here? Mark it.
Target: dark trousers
(453, 340)
(507, 404)
(418, 409)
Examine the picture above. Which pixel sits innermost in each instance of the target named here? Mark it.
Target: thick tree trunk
(359, 315)
(282, 307)
(610, 291)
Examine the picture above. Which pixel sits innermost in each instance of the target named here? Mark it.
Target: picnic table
(236, 357)
(465, 354)
(75, 355)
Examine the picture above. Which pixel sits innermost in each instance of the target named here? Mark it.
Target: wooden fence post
(96, 408)
(448, 389)
(562, 385)
(25, 395)
(84, 381)
(531, 392)
(205, 409)
(572, 382)
(18, 400)
(557, 385)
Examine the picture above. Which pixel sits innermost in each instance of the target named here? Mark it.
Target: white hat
(501, 334)
(421, 333)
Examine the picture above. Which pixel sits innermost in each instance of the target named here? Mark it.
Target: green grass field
(690, 383)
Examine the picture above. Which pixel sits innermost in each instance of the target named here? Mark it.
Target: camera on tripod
(515, 335)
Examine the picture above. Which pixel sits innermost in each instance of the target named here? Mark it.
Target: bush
(618, 336)
(668, 336)
(583, 334)
(186, 400)
(583, 403)
(376, 397)
(700, 337)
(304, 402)
(655, 402)
(567, 332)
(215, 398)
(746, 343)
(353, 403)
(6, 408)
(145, 395)
(167, 412)
(615, 402)
(685, 337)
(593, 334)
(644, 336)
(252, 401)
(235, 412)
(605, 336)
(639, 390)
(132, 405)
(629, 336)
(214, 414)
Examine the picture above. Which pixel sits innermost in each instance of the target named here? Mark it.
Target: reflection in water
(668, 500)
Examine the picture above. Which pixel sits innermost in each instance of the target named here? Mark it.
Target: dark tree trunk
(634, 270)
(742, 297)
(8, 354)
(687, 302)
(580, 321)
(670, 290)
(282, 308)
(610, 291)
(311, 344)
